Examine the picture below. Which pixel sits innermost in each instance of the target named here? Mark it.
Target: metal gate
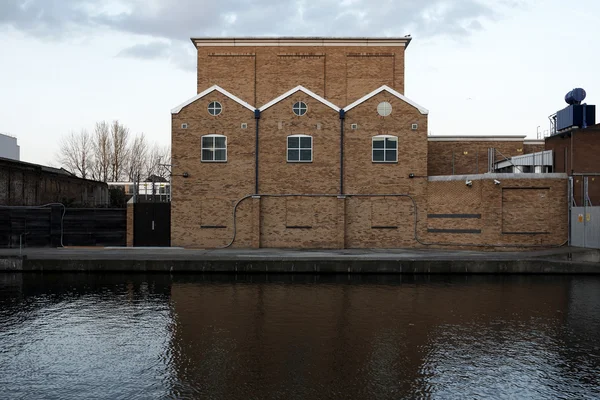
(152, 224)
(584, 218)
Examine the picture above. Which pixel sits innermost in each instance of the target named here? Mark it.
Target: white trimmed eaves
(211, 89)
(391, 91)
(305, 91)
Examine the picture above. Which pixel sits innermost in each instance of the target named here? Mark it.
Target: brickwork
(202, 204)
(299, 204)
(516, 212)
(533, 146)
(129, 237)
(301, 222)
(576, 152)
(468, 156)
(341, 74)
(322, 123)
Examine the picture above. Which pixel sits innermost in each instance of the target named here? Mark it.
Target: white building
(9, 148)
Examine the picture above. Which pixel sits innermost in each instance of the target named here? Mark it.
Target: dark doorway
(152, 224)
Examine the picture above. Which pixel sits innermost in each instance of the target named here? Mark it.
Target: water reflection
(296, 337)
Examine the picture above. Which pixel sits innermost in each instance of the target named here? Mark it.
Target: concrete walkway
(426, 261)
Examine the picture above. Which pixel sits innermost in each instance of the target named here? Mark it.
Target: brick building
(311, 143)
(574, 153)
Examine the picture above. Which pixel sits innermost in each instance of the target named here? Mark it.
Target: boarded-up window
(525, 211)
(384, 214)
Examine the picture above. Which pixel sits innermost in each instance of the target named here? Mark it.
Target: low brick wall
(523, 209)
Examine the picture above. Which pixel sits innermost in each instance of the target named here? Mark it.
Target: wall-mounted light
(465, 152)
(469, 183)
(411, 175)
(185, 175)
(497, 182)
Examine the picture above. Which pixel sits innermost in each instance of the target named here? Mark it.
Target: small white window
(384, 109)
(183, 126)
(354, 126)
(300, 108)
(385, 148)
(299, 148)
(244, 125)
(414, 127)
(215, 108)
(214, 148)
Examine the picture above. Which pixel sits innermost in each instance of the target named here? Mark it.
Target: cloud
(149, 51)
(171, 24)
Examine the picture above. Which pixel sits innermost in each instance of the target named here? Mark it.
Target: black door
(152, 224)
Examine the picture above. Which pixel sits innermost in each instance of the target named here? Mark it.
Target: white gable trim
(211, 89)
(388, 89)
(299, 89)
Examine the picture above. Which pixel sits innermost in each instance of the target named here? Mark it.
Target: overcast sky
(482, 67)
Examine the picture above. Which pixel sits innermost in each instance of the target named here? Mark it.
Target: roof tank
(575, 96)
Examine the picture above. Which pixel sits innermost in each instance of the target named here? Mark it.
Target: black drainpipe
(257, 118)
(342, 117)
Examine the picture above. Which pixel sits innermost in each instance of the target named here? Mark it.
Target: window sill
(213, 161)
(298, 227)
(385, 162)
(299, 162)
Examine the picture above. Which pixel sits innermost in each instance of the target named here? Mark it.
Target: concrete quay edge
(311, 266)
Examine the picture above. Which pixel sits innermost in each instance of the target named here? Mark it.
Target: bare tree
(120, 137)
(137, 157)
(76, 153)
(158, 161)
(102, 151)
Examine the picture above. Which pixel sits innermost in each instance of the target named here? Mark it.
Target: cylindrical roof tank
(575, 96)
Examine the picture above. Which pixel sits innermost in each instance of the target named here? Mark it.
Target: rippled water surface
(298, 337)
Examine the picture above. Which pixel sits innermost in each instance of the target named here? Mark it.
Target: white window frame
(202, 148)
(299, 108)
(287, 152)
(213, 106)
(383, 137)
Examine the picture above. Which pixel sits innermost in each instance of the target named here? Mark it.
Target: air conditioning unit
(354, 126)
(414, 127)
(244, 125)
(183, 126)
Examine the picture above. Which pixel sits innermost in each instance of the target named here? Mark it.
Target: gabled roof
(299, 89)
(211, 89)
(388, 89)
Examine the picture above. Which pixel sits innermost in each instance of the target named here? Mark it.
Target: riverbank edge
(313, 266)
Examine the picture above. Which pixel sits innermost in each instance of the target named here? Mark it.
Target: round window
(384, 109)
(300, 108)
(215, 108)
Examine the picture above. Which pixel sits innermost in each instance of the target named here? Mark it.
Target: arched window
(214, 148)
(385, 148)
(299, 148)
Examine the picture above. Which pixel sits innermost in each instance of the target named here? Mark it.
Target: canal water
(93, 336)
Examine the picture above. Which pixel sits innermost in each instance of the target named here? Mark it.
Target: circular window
(300, 108)
(215, 108)
(384, 109)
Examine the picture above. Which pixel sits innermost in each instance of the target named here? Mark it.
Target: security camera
(496, 182)
(469, 183)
